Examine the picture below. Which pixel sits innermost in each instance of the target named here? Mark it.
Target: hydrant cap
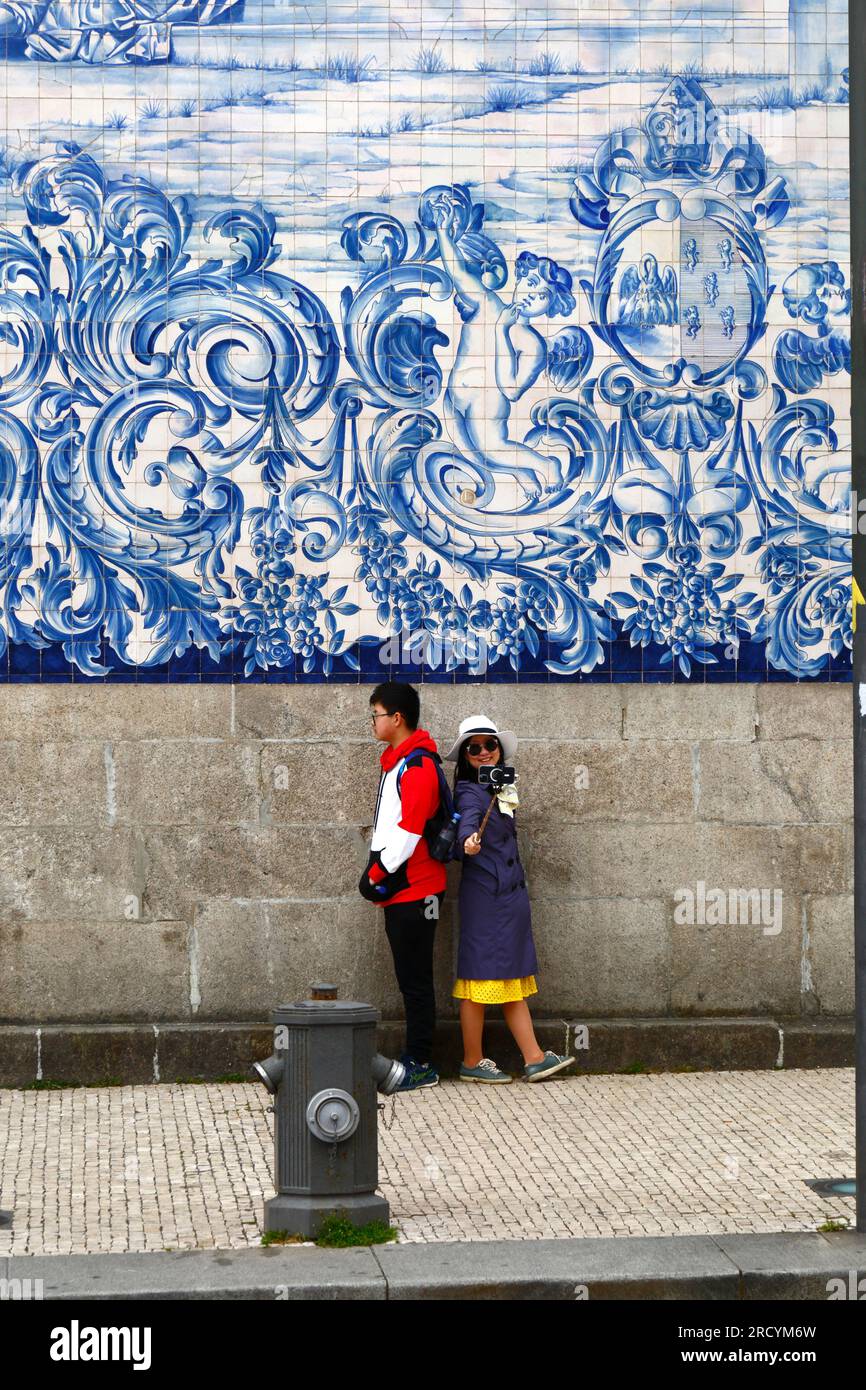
(333, 1115)
(325, 1012)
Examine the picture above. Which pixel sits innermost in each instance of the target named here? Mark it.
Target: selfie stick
(480, 830)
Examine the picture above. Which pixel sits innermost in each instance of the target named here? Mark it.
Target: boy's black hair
(397, 696)
(464, 771)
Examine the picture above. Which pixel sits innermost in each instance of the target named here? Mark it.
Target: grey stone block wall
(191, 853)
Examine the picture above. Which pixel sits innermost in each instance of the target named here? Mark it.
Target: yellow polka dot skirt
(495, 991)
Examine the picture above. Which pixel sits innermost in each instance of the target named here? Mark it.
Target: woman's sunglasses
(487, 745)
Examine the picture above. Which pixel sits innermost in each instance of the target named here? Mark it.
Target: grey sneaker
(540, 1071)
(485, 1071)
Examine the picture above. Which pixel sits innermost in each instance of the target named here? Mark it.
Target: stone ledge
(811, 1043)
(94, 1054)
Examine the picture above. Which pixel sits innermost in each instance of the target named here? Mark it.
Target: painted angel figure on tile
(500, 354)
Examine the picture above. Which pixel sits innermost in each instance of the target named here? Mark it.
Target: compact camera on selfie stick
(496, 777)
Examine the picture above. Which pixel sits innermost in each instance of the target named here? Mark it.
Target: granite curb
(792, 1266)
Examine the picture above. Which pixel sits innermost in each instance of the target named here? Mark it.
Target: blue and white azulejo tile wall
(441, 340)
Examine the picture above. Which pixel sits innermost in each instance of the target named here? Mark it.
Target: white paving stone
(184, 1166)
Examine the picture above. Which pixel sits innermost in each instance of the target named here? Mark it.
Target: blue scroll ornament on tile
(690, 466)
(125, 378)
(225, 390)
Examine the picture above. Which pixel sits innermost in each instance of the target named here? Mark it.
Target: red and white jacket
(399, 855)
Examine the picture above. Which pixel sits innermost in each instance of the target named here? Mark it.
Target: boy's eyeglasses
(380, 714)
(487, 745)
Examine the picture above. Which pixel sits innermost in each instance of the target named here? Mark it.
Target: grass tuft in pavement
(337, 1231)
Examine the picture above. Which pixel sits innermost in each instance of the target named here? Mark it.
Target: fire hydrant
(324, 1073)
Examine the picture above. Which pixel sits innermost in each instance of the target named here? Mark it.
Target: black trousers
(411, 928)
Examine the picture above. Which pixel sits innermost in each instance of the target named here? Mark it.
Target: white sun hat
(480, 724)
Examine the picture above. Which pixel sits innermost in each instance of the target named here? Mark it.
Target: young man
(400, 873)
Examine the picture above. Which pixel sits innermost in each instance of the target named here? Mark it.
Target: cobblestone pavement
(183, 1166)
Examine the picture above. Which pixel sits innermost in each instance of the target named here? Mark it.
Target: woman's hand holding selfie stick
(472, 843)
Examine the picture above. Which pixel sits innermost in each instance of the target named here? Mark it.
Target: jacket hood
(420, 739)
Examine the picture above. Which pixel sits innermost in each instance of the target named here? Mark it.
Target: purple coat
(495, 931)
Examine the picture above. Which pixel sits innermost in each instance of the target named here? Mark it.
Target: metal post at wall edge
(857, 88)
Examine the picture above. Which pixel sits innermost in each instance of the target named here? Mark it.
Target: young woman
(496, 961)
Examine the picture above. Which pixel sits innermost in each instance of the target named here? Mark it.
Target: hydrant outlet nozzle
(269, 1072)
(387, 1074)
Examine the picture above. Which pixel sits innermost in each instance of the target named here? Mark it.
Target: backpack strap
(416, 754)
(444, 789)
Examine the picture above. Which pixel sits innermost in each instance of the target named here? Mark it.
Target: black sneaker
(418, 1075)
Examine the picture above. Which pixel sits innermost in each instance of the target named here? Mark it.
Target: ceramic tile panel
(443, 341)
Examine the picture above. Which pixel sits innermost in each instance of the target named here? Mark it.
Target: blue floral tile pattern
(323, 362)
